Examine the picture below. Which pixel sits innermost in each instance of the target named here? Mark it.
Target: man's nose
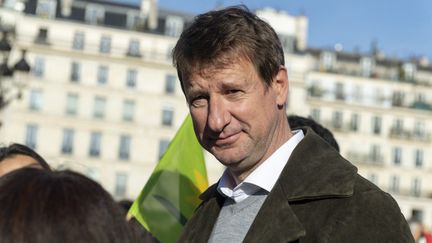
(219, 115)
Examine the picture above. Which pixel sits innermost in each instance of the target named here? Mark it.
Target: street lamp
(11, 78)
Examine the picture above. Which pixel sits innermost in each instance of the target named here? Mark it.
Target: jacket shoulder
(372, 215)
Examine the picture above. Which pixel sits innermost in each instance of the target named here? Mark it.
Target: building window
(167, 116)
(408, 71)
(46, 8)
(358, 93)
(134, 48)
(419, 157)
(354, 124)
(328, 60)
(163, 146)
(99, 107)
(420, 98)
(39, 67)
(170, 82)
(35, 100)
(340, 95)
(375, 154)
(394, 184)
(337, 121)
(71, 104)
(102, 74)
(94, 14)
(128, 110)
(42, 37)
(95, 144)
(416, 187)
(417, 215)
(124, 147)
(105, 44)
(131, 78)
(316, 114)
(398, 127)
(419, 129)
(367, 65)
(397, 155)
(67, 144)
(75, 72)
(78, 40)
(376, 125)
(398, 98)
(31, 136)
(173, 26)
(120, 184)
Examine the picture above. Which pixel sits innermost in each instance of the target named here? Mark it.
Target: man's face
(17, 162)
(236, 116)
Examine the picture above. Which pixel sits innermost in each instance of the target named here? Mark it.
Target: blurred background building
(103, 98)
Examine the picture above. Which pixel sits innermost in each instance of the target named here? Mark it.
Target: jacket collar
(314, 170)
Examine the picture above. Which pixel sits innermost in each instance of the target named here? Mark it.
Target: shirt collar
(264, 176)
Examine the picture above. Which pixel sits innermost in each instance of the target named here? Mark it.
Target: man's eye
(198, 101)
(233, 91)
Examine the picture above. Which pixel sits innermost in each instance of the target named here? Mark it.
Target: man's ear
(281, 86)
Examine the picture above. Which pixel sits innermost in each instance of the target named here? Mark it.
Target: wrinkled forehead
(208, 69)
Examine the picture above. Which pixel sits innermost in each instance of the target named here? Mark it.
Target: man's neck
(240, 176)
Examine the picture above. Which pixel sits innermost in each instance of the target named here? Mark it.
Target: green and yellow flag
(170, 196)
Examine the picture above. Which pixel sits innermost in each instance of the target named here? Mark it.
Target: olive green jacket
(319, 197)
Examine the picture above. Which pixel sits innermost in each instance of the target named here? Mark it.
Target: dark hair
(42, 206)
(125, 205)
(19, 149)
(218, 38)
(296, 122)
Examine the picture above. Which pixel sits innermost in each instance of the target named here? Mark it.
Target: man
(279, 185)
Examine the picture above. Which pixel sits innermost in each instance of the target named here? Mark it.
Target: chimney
(149, 11)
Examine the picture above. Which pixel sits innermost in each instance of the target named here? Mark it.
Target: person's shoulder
(372, 215)
(370, 201)
(368, 191)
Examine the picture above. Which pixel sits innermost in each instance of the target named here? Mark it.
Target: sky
(401, 28)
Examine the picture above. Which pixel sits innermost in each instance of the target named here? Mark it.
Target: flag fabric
(170, 195)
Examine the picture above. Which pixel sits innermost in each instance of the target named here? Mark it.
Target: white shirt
(264, 176)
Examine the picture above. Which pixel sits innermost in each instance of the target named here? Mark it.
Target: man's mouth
(226, 139)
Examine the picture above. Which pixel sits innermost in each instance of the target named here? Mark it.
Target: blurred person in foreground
(16, 156)
(280, 185)
(39, 206)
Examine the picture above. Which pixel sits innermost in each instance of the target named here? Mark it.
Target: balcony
(361, 158)
(395, 75)
(421, 105)
(316, 91)
(397, 133)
